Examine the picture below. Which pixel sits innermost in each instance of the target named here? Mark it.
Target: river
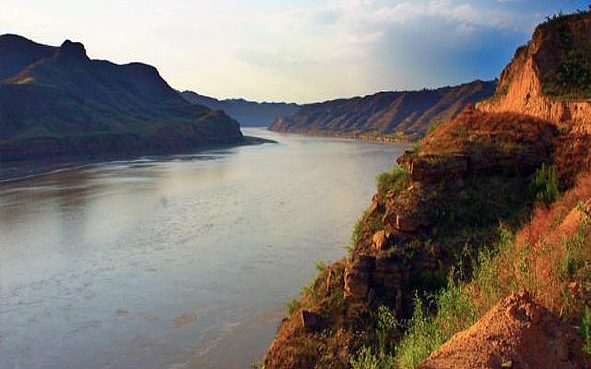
(177, 262)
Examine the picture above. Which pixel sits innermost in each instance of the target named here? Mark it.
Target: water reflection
(164, 261)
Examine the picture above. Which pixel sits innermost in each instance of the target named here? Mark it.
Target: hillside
(55, 101)
(550, 77)
(247, 113)
(404, 115)
(480, 237)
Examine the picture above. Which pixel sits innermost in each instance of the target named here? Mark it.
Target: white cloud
(222, 47)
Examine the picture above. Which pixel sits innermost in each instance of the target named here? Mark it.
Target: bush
(394, 180)
(455, 311)
(366, 359)
(386, 325)
(292, 306)
(573, 74)
(585, 330)
(421, 338)
(357, 230)
(544, 185)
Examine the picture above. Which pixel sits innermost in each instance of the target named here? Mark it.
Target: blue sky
(300, 51)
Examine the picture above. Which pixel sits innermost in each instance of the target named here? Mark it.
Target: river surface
(174, 262)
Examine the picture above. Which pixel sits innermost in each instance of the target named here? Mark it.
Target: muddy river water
(174, 262)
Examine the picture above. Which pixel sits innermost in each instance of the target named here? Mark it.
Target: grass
(425, 333)
(378, 354)
(365, 226)
(292, 306)
(585, 330)
(366, 359)
(557, 256)
(544, 185)
(394, 180)
(357, 231)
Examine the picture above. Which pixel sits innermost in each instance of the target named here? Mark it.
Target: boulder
(379, 240)
(357, 278)
(375, 203)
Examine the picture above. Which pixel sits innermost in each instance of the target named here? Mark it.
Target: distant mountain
(247, 113)
(405, 114)
(55, 101)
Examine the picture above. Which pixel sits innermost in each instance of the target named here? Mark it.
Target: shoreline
(365, 137)
(21, 170)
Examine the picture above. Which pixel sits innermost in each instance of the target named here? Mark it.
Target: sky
(294, 51)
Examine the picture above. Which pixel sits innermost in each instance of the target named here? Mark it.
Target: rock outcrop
(358, 277)
(529, 84)
(434, 215)
(469, 173)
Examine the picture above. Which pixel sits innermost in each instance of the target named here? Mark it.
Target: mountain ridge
(248, 113)
(55, 102)
(403, 114)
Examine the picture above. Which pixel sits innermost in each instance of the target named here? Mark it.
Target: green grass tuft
(394, 180)
(455, 311)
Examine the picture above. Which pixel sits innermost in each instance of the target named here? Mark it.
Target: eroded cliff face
(433, 215)
(530, 84)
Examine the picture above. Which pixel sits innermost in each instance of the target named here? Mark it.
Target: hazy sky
(302, 51)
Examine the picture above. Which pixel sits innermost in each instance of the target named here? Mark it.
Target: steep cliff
(550, 78)
(403, 114)
(497, 200)
(55, 101)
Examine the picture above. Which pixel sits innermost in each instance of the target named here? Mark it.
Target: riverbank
(398, 137)
(26, 169)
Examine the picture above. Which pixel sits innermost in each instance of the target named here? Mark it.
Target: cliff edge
(493, 202)
(550, 77)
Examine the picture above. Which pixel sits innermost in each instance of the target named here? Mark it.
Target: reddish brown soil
(517, 333)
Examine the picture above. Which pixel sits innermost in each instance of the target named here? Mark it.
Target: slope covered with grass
(55, 101)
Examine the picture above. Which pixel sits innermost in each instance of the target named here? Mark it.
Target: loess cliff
(550, 78)
(480, 237)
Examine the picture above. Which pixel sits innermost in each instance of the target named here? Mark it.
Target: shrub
(544, 185)
(386, 325)
(357, 230)
(585, 330)
(455, 311)
(573, 74)
(366, 359)
(292, 306)
(393, 180)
